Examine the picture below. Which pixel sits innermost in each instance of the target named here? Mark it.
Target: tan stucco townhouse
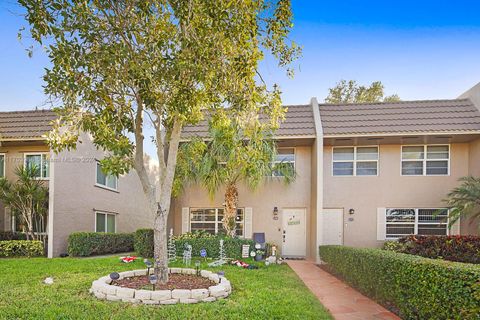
(365, 173)
(81, 196)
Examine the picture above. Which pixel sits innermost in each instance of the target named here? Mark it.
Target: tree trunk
(160, 247)
(231, 202)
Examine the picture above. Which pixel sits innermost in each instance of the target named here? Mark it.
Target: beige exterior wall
(470, 226)
(76, 198)
(274, 193)
(388, 189)
(14, 157)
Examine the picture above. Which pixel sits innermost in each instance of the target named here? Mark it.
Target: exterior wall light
(351, 211)
(275, 213)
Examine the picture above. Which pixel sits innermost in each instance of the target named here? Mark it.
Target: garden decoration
(222, 257)
(149, 264)
(153, 280)
(128, 259)
(197, 267)
(172, 250)
(240, 263)
(187, 254)
(203, 254)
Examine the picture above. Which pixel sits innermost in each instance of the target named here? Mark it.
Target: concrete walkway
(341, 300)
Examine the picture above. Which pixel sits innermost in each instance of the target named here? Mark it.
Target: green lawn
(273, 292)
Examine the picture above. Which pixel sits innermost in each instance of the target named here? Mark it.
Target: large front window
(355, 161)
(40, 162)
(106, 180)
(406, 221)
(432, 160)
(210, 220)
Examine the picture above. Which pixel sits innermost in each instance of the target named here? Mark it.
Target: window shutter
(381, 223)
(455, 229)
(185, 219)
(248, 222)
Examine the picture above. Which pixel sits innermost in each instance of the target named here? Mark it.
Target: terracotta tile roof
(424, 116)
(25, 124)
(298, 122)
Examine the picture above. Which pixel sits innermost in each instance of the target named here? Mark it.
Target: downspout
(319, 176)
(51, 191)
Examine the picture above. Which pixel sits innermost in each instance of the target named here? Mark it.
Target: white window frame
(106, 220)
(355, 160)
(217, 221)
(104, 186)
(41, 163)
(415, 223)
(2, 154)
(294, 160)
(425, 160)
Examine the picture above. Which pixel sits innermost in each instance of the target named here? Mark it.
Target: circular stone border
(102, 289)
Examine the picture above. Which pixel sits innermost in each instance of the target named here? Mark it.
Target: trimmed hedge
(417, 287)
(21, 248)
(233, 246)
(453, 248)
(9, 235)
(93, 243)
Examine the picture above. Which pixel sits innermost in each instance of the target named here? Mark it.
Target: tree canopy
(351, 92)
(120, 67)
(464, 200)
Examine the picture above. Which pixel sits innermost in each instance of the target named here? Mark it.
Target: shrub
(143, 242)
(393, 246)
(93, 243)
(9, 235)
(21, 248)
(417, 287)
(454, 248)
(198, 241)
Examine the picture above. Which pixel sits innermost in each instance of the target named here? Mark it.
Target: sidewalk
(341, 300)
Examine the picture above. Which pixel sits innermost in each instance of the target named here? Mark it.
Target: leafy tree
(122, 67)
(352, 92)
(236, 152)
(464, 200)
(26, 197)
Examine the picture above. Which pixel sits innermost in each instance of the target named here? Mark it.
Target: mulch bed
(175, 281)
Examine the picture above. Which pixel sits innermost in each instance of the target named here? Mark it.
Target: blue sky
(418, 49)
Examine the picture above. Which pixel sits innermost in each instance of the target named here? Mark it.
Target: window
(432, 160)
(41, 162)
(286, 159)
(109, 181)
(210, 220)
(105, 222)
(403, 222)
(2, 165)
(355, 161)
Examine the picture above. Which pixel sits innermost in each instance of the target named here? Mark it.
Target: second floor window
(2, 165)
(428, 160)
(41, 162)
(355, 161)
(285, 157)
(106, 180)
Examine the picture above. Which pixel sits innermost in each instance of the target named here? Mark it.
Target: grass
(273, 292)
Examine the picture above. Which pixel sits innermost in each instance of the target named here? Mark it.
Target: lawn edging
(417, 287)
(103, 289)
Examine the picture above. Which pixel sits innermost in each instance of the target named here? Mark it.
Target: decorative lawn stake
(187, 254)
(197, 267)
(153, 280)
(172, 250)
(149, 264)
(203, 254)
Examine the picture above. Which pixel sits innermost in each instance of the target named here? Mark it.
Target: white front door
(294, 233)
(333, 226)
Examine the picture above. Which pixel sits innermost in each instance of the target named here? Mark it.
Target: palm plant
(235, 153)
(464, 200)
(27, 197)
